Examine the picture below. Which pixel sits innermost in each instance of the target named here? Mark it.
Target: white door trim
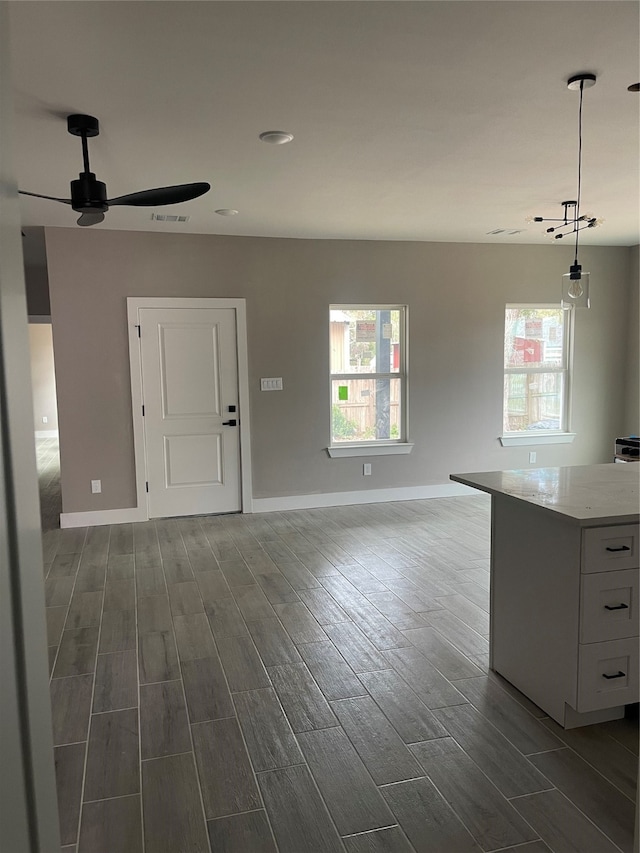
(134, 304)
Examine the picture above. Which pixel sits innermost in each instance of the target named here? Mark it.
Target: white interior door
(190, 398)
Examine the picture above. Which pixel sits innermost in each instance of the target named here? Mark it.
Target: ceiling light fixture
(634, 87)
(227, 211)
(575, 283)
(276, 137)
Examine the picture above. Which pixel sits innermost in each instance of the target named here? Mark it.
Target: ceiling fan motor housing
(88, 194)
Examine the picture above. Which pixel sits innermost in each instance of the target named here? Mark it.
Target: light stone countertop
(588, 495)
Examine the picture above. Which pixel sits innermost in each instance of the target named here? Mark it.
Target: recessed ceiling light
(634, 87)
(276, 137)
(226, 211)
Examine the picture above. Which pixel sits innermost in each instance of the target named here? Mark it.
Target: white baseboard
(104, 516)
(46, 433)
(366, 496)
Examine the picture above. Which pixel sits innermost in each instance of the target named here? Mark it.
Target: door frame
(134, 304)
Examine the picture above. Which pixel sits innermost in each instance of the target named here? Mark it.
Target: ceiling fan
(89, 196)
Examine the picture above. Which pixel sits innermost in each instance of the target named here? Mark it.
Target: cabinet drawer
(609, 606)
(606, 549)
(607, 674)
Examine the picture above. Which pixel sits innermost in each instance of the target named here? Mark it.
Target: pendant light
(575, 283)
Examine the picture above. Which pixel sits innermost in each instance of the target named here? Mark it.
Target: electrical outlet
(96, 487)
(532, 456)
(45, 419)
(366, 469)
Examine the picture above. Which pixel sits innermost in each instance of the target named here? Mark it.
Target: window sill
(531, 438)
(369, 450)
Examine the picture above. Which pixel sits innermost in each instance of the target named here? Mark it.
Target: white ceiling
(412, 120)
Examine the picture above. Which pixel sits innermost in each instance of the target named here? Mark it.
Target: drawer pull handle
(616, 607)
(621, 548)
(619, 674)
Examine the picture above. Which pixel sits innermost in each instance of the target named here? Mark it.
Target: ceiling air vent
(510, 232)
(169, 217)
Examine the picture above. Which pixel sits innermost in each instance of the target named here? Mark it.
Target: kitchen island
(564, 586)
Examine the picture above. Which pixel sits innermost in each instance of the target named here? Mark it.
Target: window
(536, 371)
(368, 377)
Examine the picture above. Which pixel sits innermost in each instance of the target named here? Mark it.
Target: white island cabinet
(564, 586)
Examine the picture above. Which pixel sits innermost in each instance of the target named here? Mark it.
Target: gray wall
(632, 372)
(456, 295)
(43, 377)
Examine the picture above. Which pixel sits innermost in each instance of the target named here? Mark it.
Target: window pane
(533, 401)
(533, 337)
(365, 410)
(365, 340)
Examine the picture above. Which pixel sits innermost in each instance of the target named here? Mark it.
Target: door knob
(232, 422)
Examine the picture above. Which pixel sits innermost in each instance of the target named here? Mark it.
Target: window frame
(563, 435)
(376, 447)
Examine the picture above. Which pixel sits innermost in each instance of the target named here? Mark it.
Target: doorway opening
(45, 419)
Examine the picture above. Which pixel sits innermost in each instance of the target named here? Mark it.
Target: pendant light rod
(580, 81)
(579, 165)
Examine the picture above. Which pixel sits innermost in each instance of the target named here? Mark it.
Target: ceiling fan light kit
(575, 283)
(89, 195)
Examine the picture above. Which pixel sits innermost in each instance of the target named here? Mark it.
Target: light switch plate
(274, 383)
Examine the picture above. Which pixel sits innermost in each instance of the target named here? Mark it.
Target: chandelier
(575, 283)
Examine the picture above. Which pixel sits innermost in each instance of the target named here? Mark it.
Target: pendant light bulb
(575, 289)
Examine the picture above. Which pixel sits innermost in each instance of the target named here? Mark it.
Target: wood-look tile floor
(48, 459)
(307, 681)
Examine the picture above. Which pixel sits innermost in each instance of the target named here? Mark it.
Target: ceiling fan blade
(91, 218)
(50, 197)
(162, 195)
